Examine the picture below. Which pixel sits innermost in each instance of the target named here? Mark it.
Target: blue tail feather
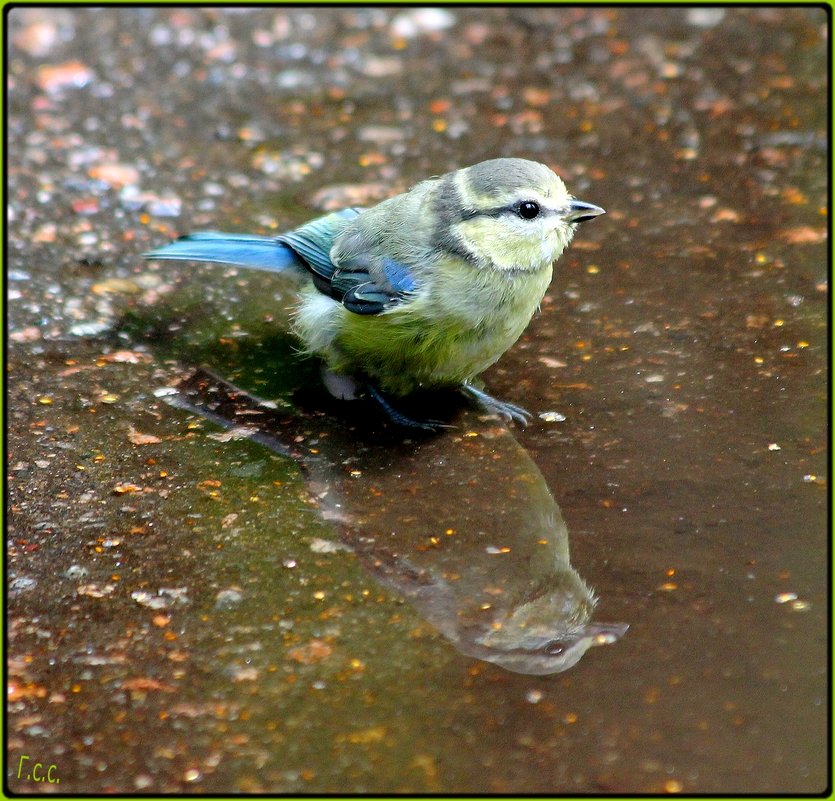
(243, 250)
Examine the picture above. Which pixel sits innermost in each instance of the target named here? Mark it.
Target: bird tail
(244, 250)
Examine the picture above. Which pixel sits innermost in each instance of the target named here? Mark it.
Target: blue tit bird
(424, 290)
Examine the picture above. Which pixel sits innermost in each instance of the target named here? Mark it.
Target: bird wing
(313, 242)
(363, 282)
(371, 284)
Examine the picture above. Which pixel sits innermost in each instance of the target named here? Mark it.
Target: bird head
(510, 214)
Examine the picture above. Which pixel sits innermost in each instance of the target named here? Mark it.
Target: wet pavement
(210, 594)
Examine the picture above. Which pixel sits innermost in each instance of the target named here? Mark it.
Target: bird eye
(528, 209)
(554, 648)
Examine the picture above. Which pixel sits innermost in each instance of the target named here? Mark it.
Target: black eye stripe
(499, 211)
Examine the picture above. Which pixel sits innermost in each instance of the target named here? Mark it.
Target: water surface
(180, 617)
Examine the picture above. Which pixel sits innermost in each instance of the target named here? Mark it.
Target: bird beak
(605, 633)
(580, 211)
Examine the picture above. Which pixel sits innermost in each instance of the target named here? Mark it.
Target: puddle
(188, 612)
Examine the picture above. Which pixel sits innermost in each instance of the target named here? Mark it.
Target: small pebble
(420, 21)
(149, 600)
(318, 545)
(55, 77)
(143, 781)
(552, 417)
(534, 696)
(76, 572)
(22, 584)
(226, 599)
(91, 329)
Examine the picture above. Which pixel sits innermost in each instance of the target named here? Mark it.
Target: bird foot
(398, 417)
(491, 405)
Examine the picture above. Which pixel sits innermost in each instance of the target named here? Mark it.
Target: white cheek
(554, 244)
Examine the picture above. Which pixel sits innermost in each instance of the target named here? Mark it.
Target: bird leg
(399, 418)
(491, 405)
(347, 388)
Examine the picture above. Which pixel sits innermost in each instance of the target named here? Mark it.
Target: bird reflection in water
(461, 524)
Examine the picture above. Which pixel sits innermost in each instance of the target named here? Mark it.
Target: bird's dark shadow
(262, 357)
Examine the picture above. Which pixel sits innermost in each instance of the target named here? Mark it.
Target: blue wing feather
(244, 250)
(399, 276)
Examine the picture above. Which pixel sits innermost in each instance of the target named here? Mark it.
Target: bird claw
(509, 412)
(399, 418)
